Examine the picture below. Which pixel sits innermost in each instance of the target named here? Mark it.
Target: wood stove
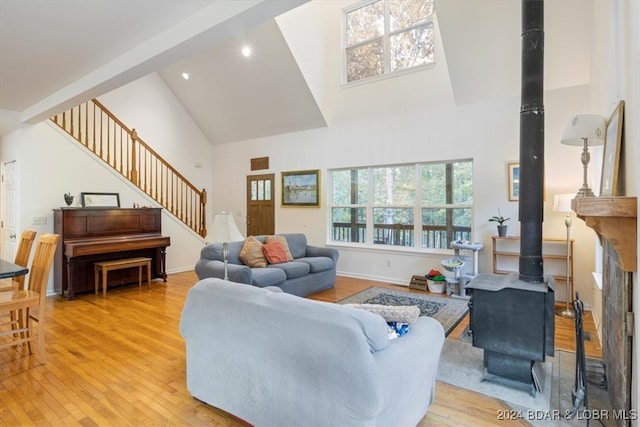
(512, 317)
(513, 321)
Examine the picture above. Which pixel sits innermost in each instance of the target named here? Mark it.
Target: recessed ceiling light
(185, 76)
(246, 51)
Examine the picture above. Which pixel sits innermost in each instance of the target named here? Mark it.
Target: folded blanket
(392, 313)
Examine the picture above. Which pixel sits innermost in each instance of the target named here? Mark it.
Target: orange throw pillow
(251, 253)
(285, 244)
(274, 252)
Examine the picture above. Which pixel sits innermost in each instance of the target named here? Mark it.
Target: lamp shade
(584, 126)
(224, 229)
(562, 202)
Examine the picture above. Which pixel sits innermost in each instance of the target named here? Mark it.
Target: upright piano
(88, 235)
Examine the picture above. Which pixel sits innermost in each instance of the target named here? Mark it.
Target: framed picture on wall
(513, 171)
(611, 152)
(100, 200)
(301, 188)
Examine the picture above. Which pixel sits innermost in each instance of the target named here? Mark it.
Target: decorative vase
(502, 230)
(435, 287)
(68, 199)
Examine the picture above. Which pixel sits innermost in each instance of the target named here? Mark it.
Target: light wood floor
(106, 366)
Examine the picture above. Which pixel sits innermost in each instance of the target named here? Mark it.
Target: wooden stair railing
(95, 127)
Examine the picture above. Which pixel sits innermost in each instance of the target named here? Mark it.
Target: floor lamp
(224, 230)
(562, 203)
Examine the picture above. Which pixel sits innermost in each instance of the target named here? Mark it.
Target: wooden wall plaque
(259, 163)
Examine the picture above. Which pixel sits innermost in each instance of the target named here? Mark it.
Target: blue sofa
(313, 268)
(275, 359)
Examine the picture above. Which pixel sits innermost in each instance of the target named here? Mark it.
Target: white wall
(616, 40)
(50, 164)
(150, 107)
(408, 118)
(486, 132)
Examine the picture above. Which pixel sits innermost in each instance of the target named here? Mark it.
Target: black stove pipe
(532, 142)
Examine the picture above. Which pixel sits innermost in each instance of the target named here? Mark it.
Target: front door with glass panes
(260, 205)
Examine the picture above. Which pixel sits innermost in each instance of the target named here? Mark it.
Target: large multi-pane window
(424, 205)
(385, 36)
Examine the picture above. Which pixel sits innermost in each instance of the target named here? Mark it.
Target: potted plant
(435, 281)
(502, 228)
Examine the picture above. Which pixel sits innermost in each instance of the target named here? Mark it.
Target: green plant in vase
(502, 227)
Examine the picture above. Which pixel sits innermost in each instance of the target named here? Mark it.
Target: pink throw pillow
(283, 240)
(274, 252)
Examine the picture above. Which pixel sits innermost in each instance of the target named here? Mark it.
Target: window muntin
(385, 36)
(397, 216)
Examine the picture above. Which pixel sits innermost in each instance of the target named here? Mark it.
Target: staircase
(100, 132)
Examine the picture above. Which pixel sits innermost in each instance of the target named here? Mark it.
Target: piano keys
(88, 235)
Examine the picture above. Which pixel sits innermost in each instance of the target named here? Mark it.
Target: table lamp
(562, 203)
(585, 130)
(224, 230)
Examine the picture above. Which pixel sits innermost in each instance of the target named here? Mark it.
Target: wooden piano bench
(102, 268)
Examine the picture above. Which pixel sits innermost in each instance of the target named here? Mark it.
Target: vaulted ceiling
(57, 54)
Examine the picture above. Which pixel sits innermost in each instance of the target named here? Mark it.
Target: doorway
(8, 208)
(260, 205)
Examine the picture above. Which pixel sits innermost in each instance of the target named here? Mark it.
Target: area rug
(448, 311)
(461, 365)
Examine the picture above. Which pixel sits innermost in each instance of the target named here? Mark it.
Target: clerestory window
(386, 36)
(423, 205)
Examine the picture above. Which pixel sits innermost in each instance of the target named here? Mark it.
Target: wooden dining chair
(30, 303)
(21, 259)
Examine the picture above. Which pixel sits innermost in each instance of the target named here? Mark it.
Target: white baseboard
(391, 280)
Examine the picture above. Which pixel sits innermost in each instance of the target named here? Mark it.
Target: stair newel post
(203, 213)
(134, 171)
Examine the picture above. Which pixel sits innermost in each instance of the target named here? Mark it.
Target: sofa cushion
(292, 269)
(297, 244)
(251, 253)
(274, 252)
(283, 241)
(318, 263)
(262, 277)
(214, 251)
(234, 251)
